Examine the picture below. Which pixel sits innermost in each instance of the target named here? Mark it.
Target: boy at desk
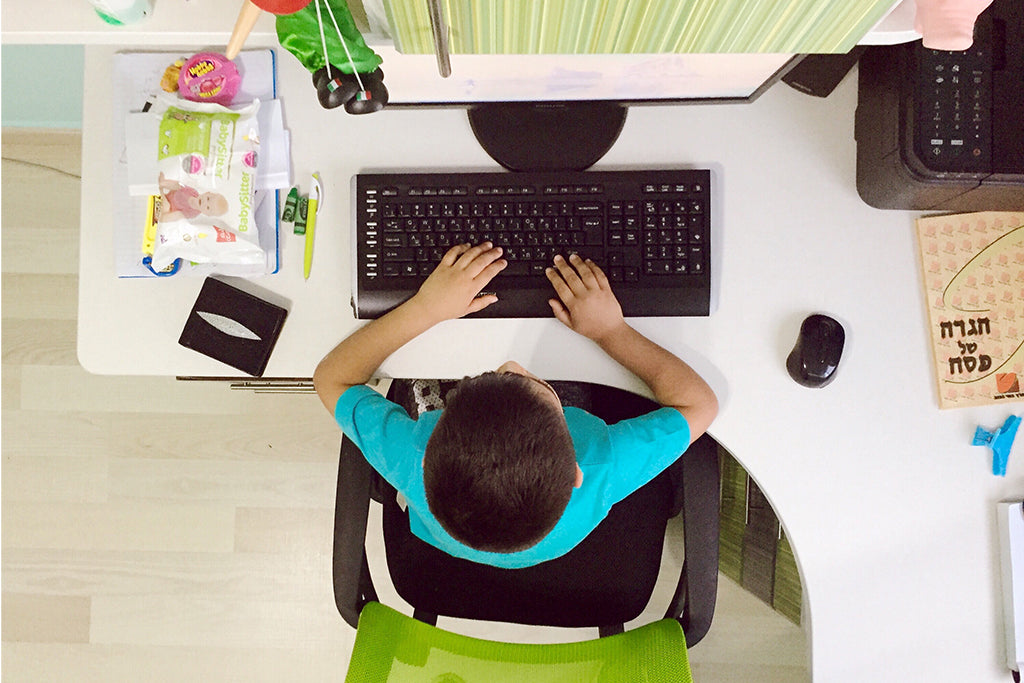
(505, 475)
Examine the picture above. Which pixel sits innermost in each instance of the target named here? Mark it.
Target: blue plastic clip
(166, 272)
(1000, 441)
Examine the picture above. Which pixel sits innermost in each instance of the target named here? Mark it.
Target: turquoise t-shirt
(615, 459)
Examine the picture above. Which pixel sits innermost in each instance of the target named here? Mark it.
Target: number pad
(674, 234)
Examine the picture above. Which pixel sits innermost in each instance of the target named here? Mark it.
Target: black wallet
(233, 326)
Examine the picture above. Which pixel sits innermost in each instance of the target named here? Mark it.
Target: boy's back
(614, 461)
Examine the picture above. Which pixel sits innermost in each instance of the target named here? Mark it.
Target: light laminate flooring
(155, 530)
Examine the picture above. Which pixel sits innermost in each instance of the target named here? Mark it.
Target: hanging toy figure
(345, 71)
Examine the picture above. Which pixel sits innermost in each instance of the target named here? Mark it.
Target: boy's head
(500, 467)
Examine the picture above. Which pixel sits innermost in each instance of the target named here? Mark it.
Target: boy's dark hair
(500, 466)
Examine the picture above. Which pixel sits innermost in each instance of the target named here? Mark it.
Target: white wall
(41, 86)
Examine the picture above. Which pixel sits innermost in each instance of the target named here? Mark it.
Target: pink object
(192, 164)
(948, 24)
(178, 200)
(209, 77)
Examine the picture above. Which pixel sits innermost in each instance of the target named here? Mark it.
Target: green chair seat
(391, 646)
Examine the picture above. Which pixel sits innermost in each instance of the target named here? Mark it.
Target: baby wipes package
(206, 157)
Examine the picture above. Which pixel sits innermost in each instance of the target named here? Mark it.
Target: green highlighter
(290, 204)
(316, 197)
(301, 211)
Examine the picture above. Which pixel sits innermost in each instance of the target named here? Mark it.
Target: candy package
(206, 157)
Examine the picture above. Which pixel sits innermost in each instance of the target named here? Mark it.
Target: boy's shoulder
(663, 417)
(649, 435)
(365, 405)
(356, 393)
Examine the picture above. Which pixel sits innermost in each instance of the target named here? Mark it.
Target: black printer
(939, 130)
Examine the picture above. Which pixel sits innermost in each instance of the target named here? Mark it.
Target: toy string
(344, 45)
(323, 41)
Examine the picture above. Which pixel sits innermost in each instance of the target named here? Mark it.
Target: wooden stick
(243, 26)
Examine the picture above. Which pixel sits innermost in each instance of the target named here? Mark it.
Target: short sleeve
(643, 447)
(384, 432)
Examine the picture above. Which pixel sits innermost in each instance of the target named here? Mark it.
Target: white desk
(888, 507)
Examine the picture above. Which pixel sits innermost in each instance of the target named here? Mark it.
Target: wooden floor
(156, 530)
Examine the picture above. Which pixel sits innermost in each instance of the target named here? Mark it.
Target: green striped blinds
(637, 27)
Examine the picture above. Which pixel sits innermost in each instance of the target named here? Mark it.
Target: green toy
(345, 70)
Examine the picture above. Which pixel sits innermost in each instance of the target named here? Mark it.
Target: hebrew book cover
(973, 268)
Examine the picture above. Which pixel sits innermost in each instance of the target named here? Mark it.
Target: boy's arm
(450, 292)
(587, 305)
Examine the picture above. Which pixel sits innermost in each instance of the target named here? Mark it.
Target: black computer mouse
(814, 359)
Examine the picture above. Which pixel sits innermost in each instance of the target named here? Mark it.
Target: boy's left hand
(452, 290)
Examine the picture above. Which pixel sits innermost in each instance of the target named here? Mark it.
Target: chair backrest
(607, 579)
(393, 647)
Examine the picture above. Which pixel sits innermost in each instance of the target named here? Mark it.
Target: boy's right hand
(585, 303)
(454, 288)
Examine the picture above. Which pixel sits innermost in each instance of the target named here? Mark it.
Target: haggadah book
(973, 267)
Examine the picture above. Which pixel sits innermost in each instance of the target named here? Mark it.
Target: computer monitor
(554, 112)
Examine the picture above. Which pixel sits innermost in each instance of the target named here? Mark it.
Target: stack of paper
(136, 86)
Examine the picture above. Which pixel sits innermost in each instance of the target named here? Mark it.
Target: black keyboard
(650, 231)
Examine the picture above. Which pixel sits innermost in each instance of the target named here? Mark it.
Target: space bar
(518, 303)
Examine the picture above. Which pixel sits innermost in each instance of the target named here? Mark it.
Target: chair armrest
(353, 586)
(694, 602)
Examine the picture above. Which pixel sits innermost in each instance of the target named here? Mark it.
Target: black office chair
(606, 581)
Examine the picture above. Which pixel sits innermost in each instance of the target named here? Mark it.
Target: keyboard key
(660, 267)
(399, 253)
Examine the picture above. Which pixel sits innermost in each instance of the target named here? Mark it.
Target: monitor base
(531, 136)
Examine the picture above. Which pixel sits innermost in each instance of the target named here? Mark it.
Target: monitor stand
(556, 136)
